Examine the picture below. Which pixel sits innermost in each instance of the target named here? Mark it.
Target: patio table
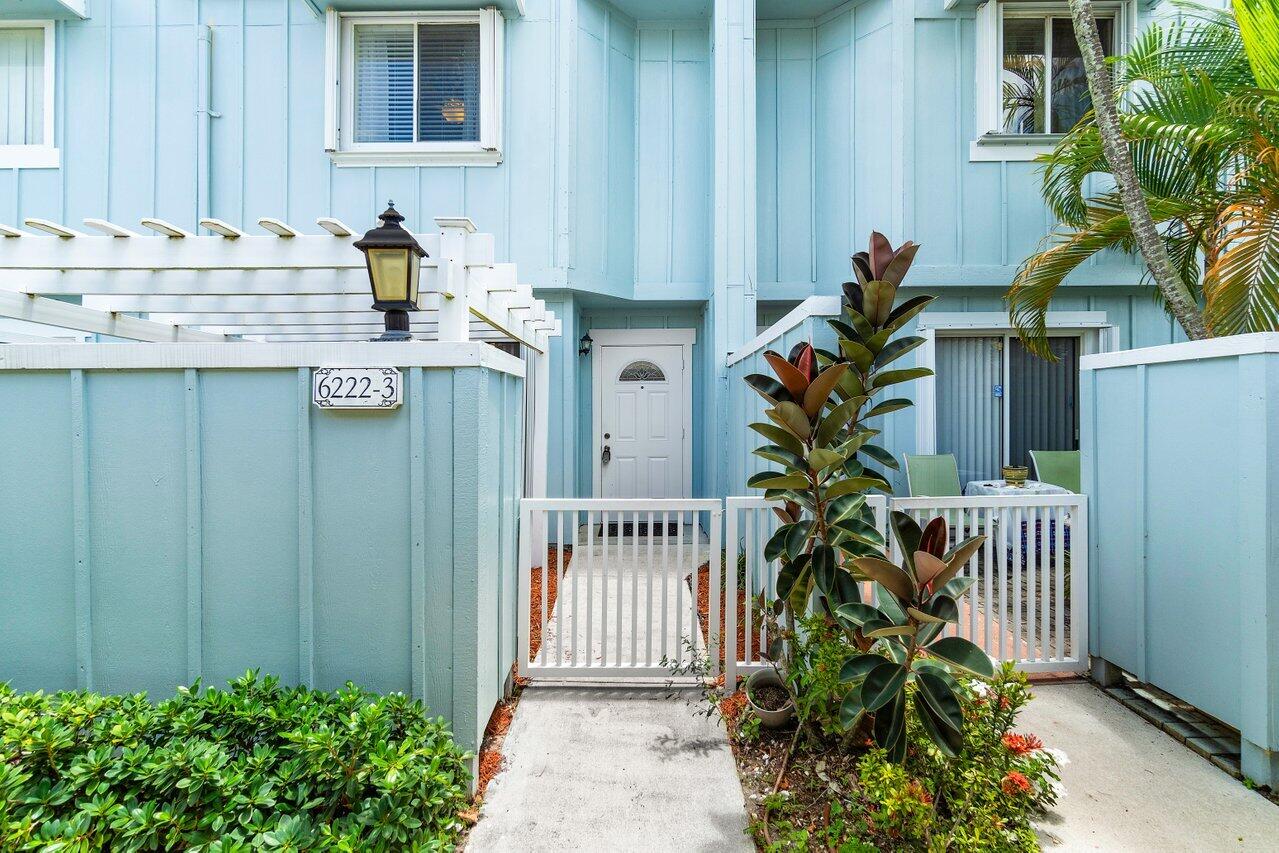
(1001, 488)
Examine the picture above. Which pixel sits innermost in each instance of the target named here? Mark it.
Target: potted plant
(769, 699)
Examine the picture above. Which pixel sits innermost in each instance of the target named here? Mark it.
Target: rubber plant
(819, 406)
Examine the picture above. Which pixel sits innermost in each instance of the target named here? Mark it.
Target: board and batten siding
(127, 100)
(163, 524)
(824, 148)
(1180, 459)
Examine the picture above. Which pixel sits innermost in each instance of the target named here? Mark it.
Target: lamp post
(394, 260)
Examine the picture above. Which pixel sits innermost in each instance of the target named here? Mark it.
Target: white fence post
(716, 641)
(730, 609)
(455, 317)
(523, 617)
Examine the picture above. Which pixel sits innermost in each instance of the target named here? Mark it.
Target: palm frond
(1041, 274)
(1259, 28)
(1241, 287)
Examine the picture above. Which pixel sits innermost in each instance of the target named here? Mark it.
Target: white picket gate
(626, 585)
(1029, 600)
(622, 598)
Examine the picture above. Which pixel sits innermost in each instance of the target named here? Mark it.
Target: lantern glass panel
(415, 270)
(390, 271)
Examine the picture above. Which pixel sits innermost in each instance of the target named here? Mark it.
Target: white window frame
(46, 154)
(992, 143)
(339, 105)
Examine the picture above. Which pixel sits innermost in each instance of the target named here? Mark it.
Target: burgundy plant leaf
(934, 539)
(853, 293)
(881, 254)
(861, 268)
(805, 359)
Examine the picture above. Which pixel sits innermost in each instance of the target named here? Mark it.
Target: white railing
(619, 587)
(1028, 602)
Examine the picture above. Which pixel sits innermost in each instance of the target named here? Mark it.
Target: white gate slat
(560, 573)
(590, 587)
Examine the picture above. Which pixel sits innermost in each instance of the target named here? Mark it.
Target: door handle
(606, 455)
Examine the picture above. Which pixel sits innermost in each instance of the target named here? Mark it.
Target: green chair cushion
(1059, 467)
(934, 476)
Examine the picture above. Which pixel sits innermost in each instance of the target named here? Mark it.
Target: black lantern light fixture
(394, 260)
(584, 345)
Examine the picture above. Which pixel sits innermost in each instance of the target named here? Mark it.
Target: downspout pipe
(204, 119)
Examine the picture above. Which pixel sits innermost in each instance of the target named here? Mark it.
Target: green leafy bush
(258, 766)
(983, 798)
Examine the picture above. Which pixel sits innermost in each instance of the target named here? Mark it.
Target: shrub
(258, 766)
(981, 799)
(847, 794)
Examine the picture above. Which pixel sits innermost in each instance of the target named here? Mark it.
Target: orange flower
(1015, 783)
(919, 792)
(1022, 744)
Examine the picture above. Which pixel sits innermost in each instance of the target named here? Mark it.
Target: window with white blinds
(418, 85)
(22, 86)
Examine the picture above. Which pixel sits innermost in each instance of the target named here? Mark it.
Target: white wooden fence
(639, 588)
(626, 581)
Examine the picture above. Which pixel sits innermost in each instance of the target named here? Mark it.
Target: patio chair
(1059, 467)
(936, 477)
(932, 476)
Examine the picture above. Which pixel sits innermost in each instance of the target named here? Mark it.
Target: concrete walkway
(600, 769)
(1131, 787)
(628, 603)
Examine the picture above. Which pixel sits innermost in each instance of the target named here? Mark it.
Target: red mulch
(553, 574)
(731, 706)
(704, 606)
(491, 749)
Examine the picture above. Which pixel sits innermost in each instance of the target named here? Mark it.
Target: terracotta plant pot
(769, 719)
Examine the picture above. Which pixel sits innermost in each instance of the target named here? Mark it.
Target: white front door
(640, 441)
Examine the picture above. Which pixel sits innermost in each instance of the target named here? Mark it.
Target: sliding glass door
(996, 401)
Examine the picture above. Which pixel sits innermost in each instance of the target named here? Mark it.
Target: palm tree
(1191, 142)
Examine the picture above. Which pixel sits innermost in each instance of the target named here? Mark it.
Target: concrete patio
(1132, 787)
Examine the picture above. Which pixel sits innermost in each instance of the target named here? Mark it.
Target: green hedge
(258, 766)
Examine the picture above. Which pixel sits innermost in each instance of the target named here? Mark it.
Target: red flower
(1015, 784)
(1022, 744)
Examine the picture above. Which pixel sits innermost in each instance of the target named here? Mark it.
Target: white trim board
(1233, 345)
(813, 306)
(164, 356)
(639, 337)
(998, 320)
(684, 338)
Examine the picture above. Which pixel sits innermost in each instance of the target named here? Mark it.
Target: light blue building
(673, 177)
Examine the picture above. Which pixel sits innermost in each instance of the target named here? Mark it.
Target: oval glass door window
(642, 371)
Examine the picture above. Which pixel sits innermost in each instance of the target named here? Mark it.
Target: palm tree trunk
(1180, 301)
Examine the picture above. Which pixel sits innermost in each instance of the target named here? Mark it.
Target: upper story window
(415, 88)
(26, 95)
(1030, 74)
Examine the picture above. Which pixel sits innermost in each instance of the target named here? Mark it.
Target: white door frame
(684, 338)
(1095, 332)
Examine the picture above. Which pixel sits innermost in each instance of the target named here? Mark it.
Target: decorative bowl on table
(1015, 475)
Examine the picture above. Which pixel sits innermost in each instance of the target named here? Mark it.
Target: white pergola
(163, 283)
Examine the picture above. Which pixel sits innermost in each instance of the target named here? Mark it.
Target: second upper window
(1043, 88)
(1031, 86)
(416, 88)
